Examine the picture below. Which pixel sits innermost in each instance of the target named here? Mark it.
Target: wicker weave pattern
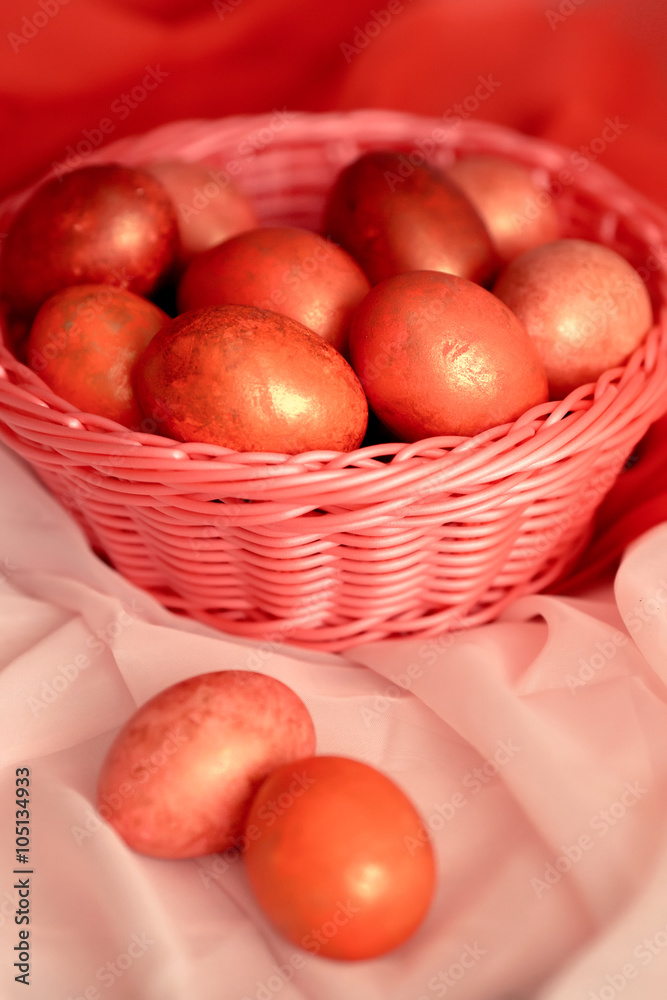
(328, 549)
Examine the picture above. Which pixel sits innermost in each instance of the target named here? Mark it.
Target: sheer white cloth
(534, 747)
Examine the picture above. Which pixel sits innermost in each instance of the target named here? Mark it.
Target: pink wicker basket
(328, 550)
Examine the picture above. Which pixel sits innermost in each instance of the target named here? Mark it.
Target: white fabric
(534, 747)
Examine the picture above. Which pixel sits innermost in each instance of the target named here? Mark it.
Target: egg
(517, 210)
(179, 778)
(209, 206)
(250, 380)
(284, 269)
(393, 216)
(339, 858)
(585, 307)
(106, 223)
(84, 342)
(439, 355)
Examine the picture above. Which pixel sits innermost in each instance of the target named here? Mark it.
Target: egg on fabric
(250, 380)
(585, 307)
(179, 778)
(439, 355)
(339, 858)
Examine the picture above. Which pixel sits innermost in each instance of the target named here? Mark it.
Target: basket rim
(198, 132)
(114, 449)
(110, 442)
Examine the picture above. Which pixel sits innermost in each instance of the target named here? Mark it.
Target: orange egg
(284, 269)
(250, 380)
(439, 355)
(517, 210)
(393, 216)
(85, 341)
(339, 859)
(584, 306)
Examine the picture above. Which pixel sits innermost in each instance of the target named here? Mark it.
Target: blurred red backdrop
(562, 67)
